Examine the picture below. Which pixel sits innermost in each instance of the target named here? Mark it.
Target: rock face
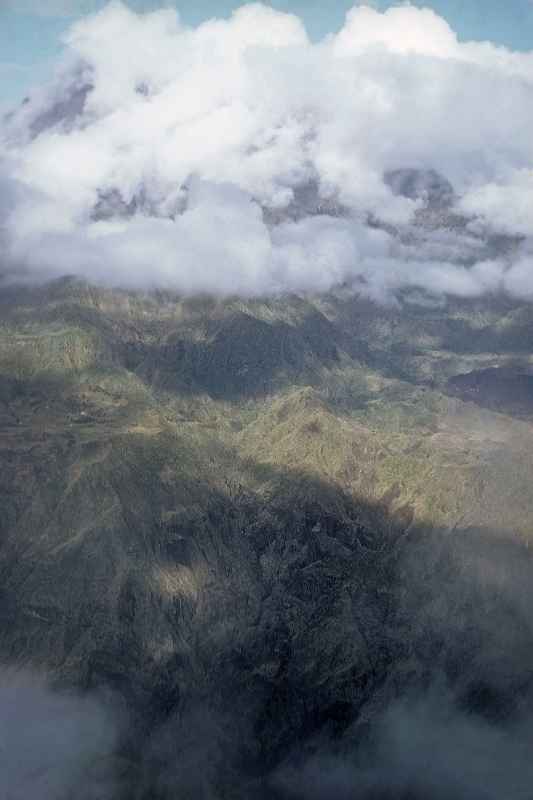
(427, 185)
(269, 531)
(64, 111)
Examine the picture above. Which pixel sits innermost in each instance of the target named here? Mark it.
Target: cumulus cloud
(239, 157)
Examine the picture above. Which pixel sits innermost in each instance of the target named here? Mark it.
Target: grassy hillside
(279, 509)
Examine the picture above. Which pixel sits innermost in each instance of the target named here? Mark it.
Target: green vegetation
(194, 488)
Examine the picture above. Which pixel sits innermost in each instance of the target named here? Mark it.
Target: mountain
(259, 525)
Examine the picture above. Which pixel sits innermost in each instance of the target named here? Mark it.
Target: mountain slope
(258, 523)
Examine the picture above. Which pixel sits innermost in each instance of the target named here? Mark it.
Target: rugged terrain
(261, 524)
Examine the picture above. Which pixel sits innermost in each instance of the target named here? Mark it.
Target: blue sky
(29, 41)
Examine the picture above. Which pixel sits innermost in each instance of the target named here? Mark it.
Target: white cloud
(402, 29)
(186, 134)
(519, 279)
(506, 204)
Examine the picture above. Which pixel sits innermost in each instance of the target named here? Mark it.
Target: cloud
(423, 747)
(52, 744)
(506, 202)
(239, 157)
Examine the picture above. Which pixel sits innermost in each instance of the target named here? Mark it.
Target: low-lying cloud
(53, 745)
(422, 748)
(240, 157)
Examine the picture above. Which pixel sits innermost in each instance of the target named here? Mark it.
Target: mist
(443, 708)
(54, 745)
(238, 157)
(423, 747)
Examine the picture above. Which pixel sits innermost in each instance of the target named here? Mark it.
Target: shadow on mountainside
(250, 631)
(507, 390)
(239, 356)
(266, 633)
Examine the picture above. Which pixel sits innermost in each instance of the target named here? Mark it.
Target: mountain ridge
(272, 511)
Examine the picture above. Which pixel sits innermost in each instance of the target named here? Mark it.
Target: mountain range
(260, 527)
